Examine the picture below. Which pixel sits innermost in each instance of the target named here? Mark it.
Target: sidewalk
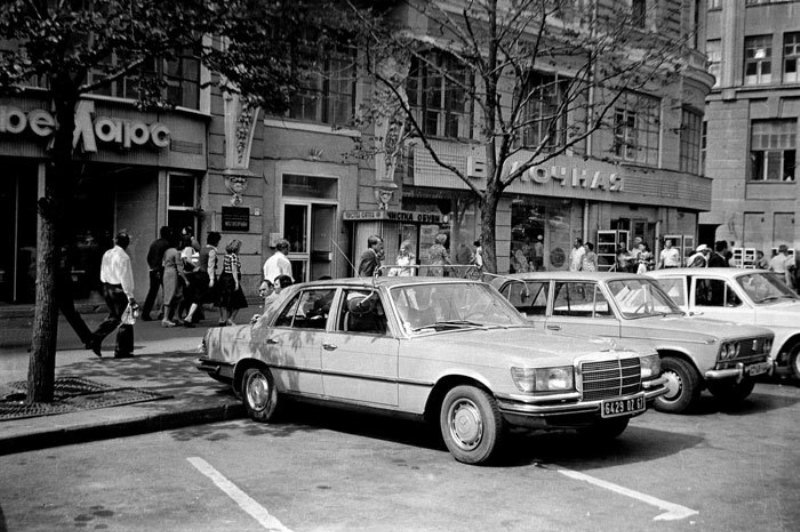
(164, 362)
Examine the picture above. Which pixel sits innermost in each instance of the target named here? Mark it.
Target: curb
(116, 429)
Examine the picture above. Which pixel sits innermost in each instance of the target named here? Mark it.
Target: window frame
(691, 134)
(793, 57)
(635, 123)
(762, 65)
(431, 77)
(761, 157)
(537, 124)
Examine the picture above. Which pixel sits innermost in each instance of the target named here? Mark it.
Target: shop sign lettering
(574, 177)
(395, 216)
(124, 133)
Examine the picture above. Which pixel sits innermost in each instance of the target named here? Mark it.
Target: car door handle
(554, 327)
(272, 341)
(330, 347)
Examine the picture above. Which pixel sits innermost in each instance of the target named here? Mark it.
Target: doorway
(310, 229)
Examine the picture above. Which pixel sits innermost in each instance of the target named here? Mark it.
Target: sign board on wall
(236, 219)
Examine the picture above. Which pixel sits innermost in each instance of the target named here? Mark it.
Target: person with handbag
(117, 278)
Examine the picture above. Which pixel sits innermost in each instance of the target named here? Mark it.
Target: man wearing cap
(700, 257)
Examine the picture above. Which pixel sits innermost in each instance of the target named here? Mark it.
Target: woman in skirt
(204, 278)
(231, 296)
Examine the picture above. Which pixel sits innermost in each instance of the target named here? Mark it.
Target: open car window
(307, 310)
(714, 293)
(580, 300)
(362, 312)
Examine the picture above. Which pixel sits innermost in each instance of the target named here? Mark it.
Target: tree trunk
(59, 186)
(42, 364)
(491, 198)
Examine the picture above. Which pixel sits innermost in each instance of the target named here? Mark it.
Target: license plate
(621, 407)
(758, 369)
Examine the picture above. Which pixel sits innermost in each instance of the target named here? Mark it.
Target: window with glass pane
(703, 147)
(327, 90)
(636, 129)
(438, 88)
(714, 56)
(690, 141)
(773, 149)
(542, 121)
(757, 60)
(182, 198)
(791, 57)
(181, 76)
(714, 4)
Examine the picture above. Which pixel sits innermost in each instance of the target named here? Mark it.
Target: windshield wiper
(773, 298)
(445, 324)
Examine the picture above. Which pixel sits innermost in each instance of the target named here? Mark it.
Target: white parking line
(256, 511)
(673, 511)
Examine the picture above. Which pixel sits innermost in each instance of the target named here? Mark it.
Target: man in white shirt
(278, 264)
(782, 264)
(576, 255)
(670, 257)
(117, 278)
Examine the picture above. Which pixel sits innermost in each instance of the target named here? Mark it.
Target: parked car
(453, 351)
(753, 297)
(695, 353)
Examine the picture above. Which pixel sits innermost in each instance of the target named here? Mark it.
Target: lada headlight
(729, 350)
(559, 379)
(650, 366)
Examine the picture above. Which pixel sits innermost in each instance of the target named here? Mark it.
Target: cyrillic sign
(124, 133)
(574, 177)
(394, 216)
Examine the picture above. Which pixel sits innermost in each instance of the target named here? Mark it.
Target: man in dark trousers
(154, 257)
(117, 278)
(717, 259)
(371, 258)
(65, 297)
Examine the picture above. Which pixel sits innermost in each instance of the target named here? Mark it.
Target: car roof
(370, 282)
(730, 272)
(564, 275)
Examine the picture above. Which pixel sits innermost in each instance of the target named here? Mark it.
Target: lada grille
(751, 346)
(610, 378)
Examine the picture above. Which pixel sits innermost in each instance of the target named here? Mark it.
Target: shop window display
(540, 234)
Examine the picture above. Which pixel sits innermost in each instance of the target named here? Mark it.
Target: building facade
(751, 129)
(216, 165)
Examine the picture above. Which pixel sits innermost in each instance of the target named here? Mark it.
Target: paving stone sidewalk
(162, 365)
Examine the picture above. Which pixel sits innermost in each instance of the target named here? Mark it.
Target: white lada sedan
(753, 297)
(451, 351)
(695, 353)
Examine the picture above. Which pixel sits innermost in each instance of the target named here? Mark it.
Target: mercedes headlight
(558, 379)
(650, 366)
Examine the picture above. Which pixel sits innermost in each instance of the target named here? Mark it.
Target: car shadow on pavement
(304, 418)
(579, 452)
(756, 403)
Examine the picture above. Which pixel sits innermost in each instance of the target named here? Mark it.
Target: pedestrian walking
(576, 255)
(65, 299)
(371, 258)
(717, 258)
(589, 263)
(782, 264)
(761, 261)
(117, 278)
(155, 260)
(231, 296)
(405, 258)
(204, 278)
(478, 261)
(645, 259)
(175, 281)
(277, 264)
(538, 254)
(438, 257)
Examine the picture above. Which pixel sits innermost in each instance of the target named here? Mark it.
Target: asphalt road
(326, 470)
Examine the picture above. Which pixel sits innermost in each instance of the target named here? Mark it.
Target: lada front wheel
(259, 394)
(730, 391)
(683, 386)
(471, 424)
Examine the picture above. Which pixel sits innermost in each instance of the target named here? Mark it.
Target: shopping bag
(129, 315)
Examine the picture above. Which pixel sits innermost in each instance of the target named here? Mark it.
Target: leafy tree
(539, 77)
(75, 47)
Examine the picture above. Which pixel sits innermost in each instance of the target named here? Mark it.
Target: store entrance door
(309, 227)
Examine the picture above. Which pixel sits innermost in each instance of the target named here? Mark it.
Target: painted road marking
(673, 511)
(256, 511)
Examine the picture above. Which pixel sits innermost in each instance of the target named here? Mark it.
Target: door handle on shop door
(554, 327)
(330, 347)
